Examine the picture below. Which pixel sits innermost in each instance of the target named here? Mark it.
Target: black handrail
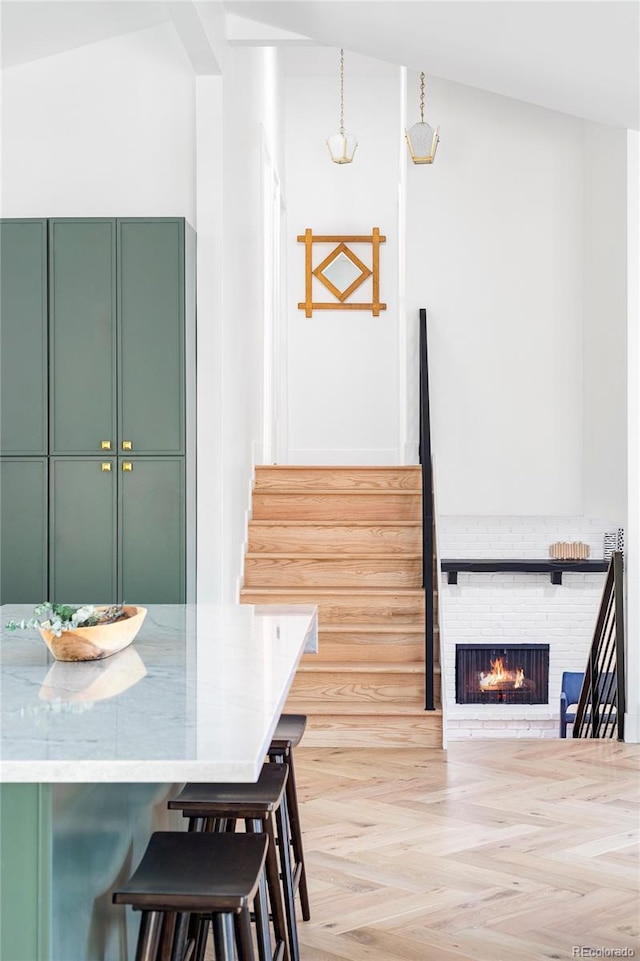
(601, 705)
(427, 513)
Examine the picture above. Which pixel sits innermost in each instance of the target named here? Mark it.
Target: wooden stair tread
(317, 556)
(342, 523)
(401, 468)
(341, 591)
(373, 491)
(346, 628)
(361, 667)
(323, 707)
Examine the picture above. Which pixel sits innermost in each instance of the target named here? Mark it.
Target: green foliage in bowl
(60, 618)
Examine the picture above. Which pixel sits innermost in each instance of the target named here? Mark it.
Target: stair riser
(313, 539)
(373, 731)
(358, 687)
(314, 572)
(337, 507)
(349, 609)
(318, 478)
(393, 648)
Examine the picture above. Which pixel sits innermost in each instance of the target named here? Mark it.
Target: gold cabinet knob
(105, 445)
(105, 465)
(127, 445)
(127, 466)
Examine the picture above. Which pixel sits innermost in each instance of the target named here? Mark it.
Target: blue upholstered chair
(569, 694)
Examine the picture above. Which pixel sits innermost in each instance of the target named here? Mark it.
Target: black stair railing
(427, 513)
(601, 706)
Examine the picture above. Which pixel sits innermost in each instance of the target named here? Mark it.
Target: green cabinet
(117, 309)
(152, 529)
(23, 529)
(23, 337)
(117, 530)
(93, 447)
(82, 311)
(25, 872)
(151, 308)
(83, 530)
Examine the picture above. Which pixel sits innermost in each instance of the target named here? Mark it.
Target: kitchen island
(195, 697)
(90, 753)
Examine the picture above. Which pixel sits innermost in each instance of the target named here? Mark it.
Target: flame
(500, 677)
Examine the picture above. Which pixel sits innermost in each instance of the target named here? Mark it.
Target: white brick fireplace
(516, 608)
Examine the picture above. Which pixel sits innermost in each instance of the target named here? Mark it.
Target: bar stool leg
(285, 756)
(284, 845)
(296, 839)
(261, 910)
(202, 933)
(273, 881)
(180, 936)
(149, 936)
(242, 925)
(223, 937)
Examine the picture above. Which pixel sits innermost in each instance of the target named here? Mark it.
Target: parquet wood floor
(492, 851)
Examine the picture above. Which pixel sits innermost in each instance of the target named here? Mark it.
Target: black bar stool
(263, 807)
(287, 735)
(215, 875)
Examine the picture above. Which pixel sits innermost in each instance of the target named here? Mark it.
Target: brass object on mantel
(565, 551)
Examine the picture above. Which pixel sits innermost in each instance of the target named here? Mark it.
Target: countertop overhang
(196, 697)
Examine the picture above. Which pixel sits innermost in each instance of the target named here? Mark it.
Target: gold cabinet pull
(127, 445)
(105, 445)
(105, 465)
(127, 466)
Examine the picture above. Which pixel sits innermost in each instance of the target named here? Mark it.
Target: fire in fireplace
(502, 674)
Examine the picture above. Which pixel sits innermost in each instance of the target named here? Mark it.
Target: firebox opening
(502, 674)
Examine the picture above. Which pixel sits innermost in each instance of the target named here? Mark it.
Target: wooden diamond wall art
(342, 272)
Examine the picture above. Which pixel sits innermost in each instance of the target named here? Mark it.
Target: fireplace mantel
(555, 569)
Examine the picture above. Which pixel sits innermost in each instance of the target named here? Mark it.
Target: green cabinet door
(152, 530)
(23, 530)
(25, 872)
(82, 535)
(82, 311)
(151, 335)
(23, 337)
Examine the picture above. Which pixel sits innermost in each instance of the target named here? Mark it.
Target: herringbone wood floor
(491, 851)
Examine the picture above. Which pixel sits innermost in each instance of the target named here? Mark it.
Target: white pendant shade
(423, 142)
(342, 147)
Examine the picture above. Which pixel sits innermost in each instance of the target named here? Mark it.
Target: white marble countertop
(196, 697)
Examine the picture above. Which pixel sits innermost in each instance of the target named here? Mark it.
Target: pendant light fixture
(422, 139)
(342, 146)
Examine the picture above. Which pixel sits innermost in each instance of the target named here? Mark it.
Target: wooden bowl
(94, 643)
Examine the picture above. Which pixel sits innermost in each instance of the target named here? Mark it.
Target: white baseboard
(632, 728)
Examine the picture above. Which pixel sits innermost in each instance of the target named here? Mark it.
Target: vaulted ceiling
(581, 57)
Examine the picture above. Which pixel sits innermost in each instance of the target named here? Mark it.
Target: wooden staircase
(349, 539)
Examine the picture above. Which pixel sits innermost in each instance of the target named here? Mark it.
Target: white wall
(103, 130)
(495, 254)
(605, 323)
(251, 88)
(343, 364)
(632, 560)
